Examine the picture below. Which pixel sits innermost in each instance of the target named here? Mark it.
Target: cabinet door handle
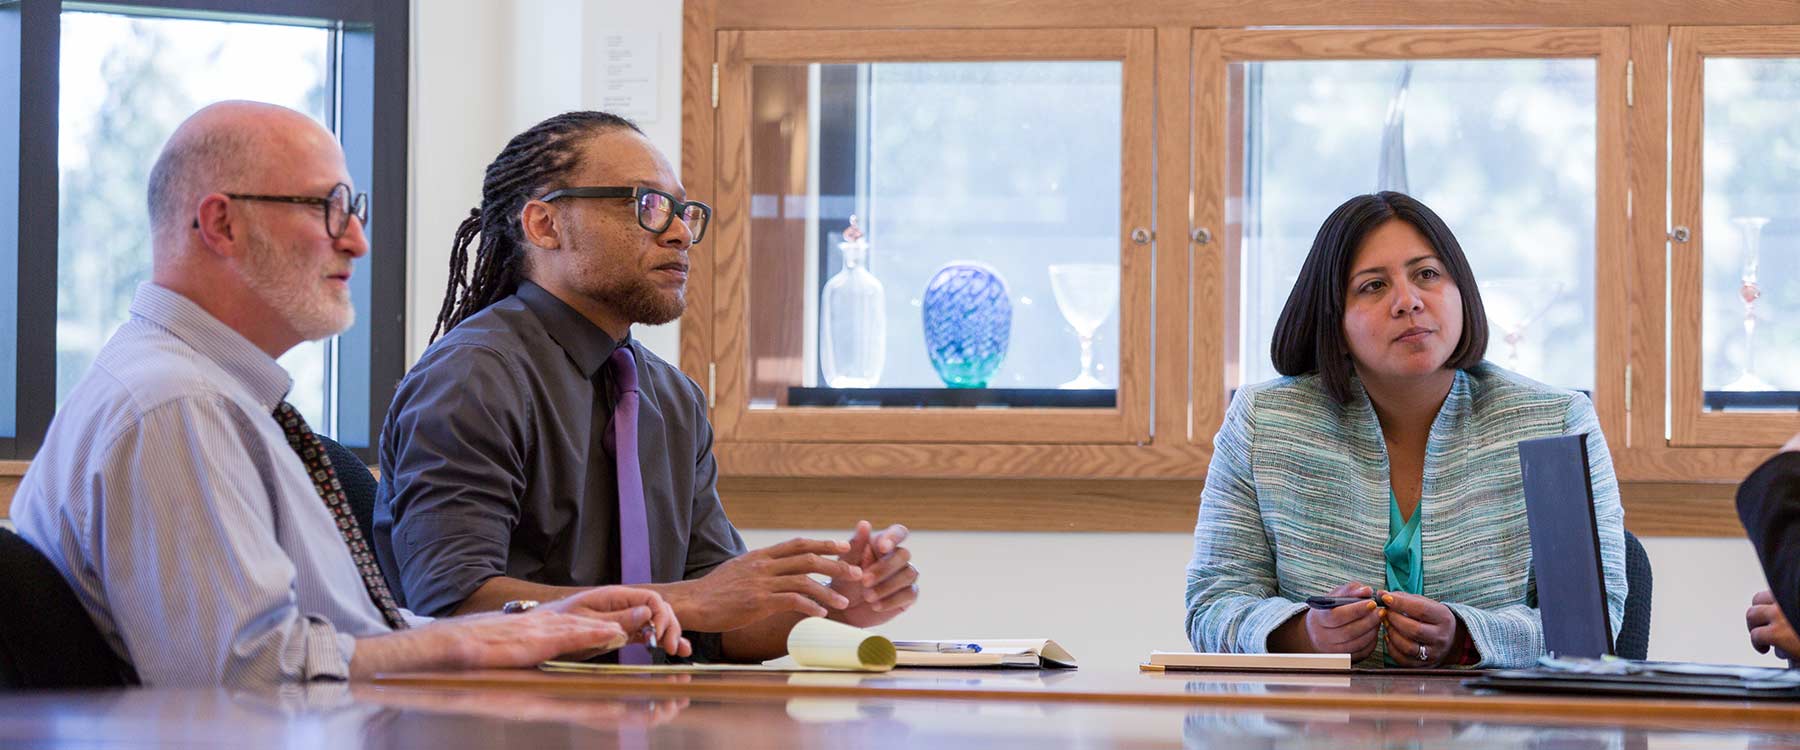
(1142, 236)
(1202, 235)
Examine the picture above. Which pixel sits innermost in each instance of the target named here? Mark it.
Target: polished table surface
(1440, 696)
(939, 709)
(376, 716)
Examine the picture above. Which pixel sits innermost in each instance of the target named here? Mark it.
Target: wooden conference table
(943, 710)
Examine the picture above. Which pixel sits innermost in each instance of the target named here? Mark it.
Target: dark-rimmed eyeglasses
(339, 205)
(655, 208)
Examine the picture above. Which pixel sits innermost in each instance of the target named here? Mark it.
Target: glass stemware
(1086, 293)
(1513, 305)
(1750, 229)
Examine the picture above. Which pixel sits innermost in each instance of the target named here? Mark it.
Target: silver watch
(517, 606)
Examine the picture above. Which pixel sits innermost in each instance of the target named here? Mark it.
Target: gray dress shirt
(168, 497)
(493, 462)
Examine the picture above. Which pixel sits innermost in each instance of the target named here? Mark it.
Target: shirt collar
(258, 372)
(587, 345)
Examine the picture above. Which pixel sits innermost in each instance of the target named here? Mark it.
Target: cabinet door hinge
(1630, 76)
(712, 384)
(715, 85)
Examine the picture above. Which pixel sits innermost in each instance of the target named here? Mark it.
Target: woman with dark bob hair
(1384, 465)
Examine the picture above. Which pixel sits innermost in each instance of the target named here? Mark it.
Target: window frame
(1690, 424)
(1219, 277)
(370, 107)
(835, 438)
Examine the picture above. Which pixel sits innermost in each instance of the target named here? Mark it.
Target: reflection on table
(339, 716)
(1404, 695)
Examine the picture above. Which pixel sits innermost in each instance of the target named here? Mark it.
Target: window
(1751, 355)
(994, 172)
(10, 54)
(1734, 275)
(1503, 150)
(95, 91)
(937, 178)
(126, 83)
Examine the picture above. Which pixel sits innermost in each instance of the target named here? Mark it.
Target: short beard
(278, 276)
(642, 302)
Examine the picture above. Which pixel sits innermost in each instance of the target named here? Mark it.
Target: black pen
(1333, 602)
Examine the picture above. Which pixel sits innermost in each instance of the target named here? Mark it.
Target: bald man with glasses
(190, 507)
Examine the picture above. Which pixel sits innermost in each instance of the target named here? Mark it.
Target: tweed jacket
(1296, 504)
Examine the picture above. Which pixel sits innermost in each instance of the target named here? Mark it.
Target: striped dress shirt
(168, 497)
(1296, 504)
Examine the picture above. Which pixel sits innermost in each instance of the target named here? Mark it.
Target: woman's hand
(1421, 632)
(1350, 629)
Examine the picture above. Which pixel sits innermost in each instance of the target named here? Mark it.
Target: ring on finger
(1423, 655)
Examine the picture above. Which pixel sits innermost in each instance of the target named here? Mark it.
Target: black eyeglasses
(655, 208)
(339, 206)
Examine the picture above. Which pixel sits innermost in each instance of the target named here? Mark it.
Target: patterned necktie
(318, 466)
(621, 441)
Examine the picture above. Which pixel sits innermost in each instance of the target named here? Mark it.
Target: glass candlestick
(1750, 229)
(1515, 304)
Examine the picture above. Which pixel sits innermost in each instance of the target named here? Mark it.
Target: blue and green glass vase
(968, 322)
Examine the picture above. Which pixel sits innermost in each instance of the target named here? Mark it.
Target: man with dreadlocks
(537, 448)
(189, 506)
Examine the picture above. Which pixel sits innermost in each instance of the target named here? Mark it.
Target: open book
(1160, 660)
(1030, 653)
(814, 645)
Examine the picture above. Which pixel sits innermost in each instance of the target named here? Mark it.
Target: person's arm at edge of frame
(1768, 505)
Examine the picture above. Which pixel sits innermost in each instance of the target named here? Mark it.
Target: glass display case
(933, 237)
(1735, 244)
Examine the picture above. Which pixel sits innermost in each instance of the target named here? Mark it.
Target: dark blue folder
(1565, 547)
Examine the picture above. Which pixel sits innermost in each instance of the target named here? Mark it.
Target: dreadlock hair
(531, 161)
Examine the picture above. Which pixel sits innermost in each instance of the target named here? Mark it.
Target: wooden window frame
(1690, 425)
(1668, 490)
(1217, 49)
(964, 442)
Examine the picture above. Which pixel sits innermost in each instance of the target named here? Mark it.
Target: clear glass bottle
(853, 319)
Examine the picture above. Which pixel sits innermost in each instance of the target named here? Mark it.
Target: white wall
(486, 69)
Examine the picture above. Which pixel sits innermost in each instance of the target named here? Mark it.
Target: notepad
(1248, 662)
(814, 645)
(1027, 653)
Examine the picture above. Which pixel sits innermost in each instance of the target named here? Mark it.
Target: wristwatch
(517, 606)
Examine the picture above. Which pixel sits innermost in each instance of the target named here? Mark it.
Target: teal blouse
(1404, 552)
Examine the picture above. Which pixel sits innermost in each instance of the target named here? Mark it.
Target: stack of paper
(1160, 660)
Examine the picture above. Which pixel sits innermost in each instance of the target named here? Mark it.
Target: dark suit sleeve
(1769, 505)
(452, 473)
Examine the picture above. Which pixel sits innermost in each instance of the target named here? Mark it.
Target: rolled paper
(818, 642)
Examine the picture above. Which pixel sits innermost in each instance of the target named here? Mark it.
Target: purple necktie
(634, 528)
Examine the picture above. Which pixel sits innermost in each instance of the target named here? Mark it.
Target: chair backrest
(1634, 631)
(359, 484)
(47, 639)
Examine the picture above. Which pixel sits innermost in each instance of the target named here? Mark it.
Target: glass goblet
(1087, 294)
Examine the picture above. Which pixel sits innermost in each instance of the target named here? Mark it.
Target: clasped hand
(1412, 621)
(871, 582)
